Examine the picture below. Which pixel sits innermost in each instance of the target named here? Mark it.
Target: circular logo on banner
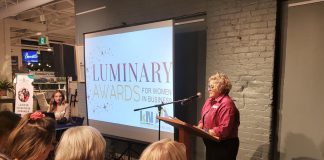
(23, 95)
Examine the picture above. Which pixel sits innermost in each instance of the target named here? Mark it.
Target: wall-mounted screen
(129, 68)
(29, 56)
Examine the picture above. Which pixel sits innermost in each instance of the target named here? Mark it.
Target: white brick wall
(240, 43)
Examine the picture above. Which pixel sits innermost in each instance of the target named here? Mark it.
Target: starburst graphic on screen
(103, 51)
(102, 108)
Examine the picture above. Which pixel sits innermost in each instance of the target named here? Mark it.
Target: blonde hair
(81, 143)
(221, 82)
(165, 150)
(31, 138)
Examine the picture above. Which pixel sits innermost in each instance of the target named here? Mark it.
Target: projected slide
(129, 68)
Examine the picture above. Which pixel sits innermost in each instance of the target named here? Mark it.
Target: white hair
(81, 143)
(165, 149)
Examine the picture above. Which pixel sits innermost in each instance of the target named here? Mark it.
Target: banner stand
(24, 94)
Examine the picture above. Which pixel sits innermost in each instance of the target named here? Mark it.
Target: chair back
(41, 100)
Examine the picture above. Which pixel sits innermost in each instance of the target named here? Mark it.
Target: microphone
(186, 100)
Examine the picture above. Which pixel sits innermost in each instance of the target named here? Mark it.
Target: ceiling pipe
(26, 25)
(13, 10)
(45, 33)
(33, 47)
(49, 4)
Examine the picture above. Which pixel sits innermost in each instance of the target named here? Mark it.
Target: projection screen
(125, 69)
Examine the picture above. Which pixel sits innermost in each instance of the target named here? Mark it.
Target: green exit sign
(42, 40)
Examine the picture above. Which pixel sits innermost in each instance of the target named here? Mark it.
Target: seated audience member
(165, 149)
(81, 143)
(32, 138)
(60, 108)
(8, 121)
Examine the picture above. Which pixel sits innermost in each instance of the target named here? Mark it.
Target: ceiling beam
(46, 5)
(9, 2)
(57, 11)
(21, 6)
(55, 42)
(33, 34)
(30, 15)
(70, 1)
(26, 25)
(58, 26)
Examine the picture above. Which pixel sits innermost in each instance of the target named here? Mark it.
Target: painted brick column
(240, 43)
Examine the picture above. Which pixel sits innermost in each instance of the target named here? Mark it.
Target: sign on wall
(24, 94)
(43, 40)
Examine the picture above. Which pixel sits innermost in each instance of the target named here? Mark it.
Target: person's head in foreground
(8, 121)
(32, 139)
(81, 143)
(165, 149)
(218, 84)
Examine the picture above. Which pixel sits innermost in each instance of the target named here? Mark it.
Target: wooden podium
(185, 130)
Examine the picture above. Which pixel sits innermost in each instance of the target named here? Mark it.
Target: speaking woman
(220, 118)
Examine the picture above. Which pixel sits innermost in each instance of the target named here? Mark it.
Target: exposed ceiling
(58, 16)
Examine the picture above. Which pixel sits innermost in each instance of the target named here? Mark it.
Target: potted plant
(5, 86)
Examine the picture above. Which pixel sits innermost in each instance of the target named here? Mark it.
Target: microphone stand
(159, 106)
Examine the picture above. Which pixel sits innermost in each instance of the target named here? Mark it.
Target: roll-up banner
(24, 94)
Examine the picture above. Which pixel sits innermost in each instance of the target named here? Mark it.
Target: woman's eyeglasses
(211, 86)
